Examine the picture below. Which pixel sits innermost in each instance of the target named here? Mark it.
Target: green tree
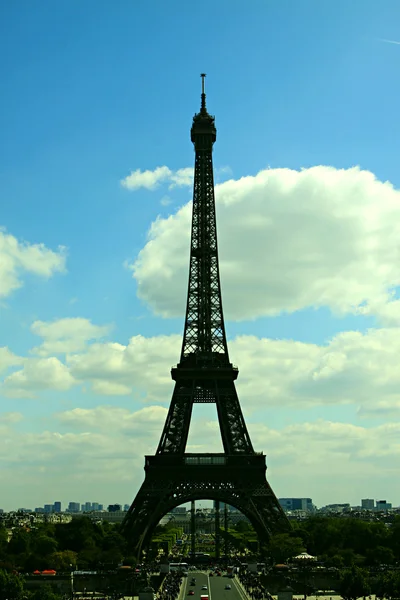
(394, 538)
(391, 585)
(354, 583)
(19, 543)
(44, 545)
(34, 561)
(382, 555)
(3, 542)
(89, 556)
(350, 557)
(45, 592)
(63, 561)
(114, 541)
(111, 558)
(243, 527)
(79, 534)
(284, 546)
(11, 586)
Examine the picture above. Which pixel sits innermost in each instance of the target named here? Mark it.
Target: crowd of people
(170, 587)
(253, 586)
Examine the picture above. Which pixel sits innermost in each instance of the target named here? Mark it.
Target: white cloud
(118, 369)
(111, 418)
(66, 335)
(181, 178)
(36, 375)
(100, 462)
(101, 452)
(389, 41)
(386, 307)
(110, 388)
(222, 173)
(311, 444)
(353, 368)
(146, 179)
(150, 180)
(288, 240)
(8, 359)
(10, 417)
(17, 258)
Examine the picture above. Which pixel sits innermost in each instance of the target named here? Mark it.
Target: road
(215, 587)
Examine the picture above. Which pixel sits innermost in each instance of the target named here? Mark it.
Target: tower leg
(193, 529)
(217, 531)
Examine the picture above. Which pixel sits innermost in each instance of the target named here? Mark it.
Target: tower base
(171, 480)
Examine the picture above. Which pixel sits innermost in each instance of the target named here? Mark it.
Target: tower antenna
(203, 94)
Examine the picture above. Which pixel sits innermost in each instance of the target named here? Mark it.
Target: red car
(191, 593)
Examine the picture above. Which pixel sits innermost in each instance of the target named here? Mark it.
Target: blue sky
(92, 95)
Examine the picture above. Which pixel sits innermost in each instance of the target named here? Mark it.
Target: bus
(180, 567)
(201, 557)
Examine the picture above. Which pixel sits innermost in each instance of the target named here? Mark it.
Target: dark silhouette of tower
(204, 374)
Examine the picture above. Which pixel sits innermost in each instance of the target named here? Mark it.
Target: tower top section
(203, 133)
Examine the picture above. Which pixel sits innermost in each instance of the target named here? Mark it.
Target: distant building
(179, 510)
(368, 504)
(222, 505)
(383, 505)
(116, 516)
(39, 510)
(114, 507)
(289, 504)
(74, 507)
(48, 508)
(126, 507)
(336, 508)
(57, 507)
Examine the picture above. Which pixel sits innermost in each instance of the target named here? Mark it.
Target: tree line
(80, 544)
(341, 542)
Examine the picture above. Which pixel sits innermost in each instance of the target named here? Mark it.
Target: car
(228, 587)
(191, 593)
(203, 587)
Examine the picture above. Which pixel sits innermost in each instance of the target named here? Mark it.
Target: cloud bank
(18, 258)
(151, 180)
(289, 240)
(353, 368)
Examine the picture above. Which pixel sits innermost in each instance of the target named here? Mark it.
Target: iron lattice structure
(204, 374)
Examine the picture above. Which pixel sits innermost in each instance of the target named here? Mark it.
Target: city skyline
(96, 178)
(292, 503)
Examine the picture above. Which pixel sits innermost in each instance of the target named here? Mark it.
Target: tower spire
(203, 94)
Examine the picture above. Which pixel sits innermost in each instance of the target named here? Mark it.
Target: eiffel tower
(204, 374)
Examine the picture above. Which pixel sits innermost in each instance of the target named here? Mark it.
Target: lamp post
(72, 581)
